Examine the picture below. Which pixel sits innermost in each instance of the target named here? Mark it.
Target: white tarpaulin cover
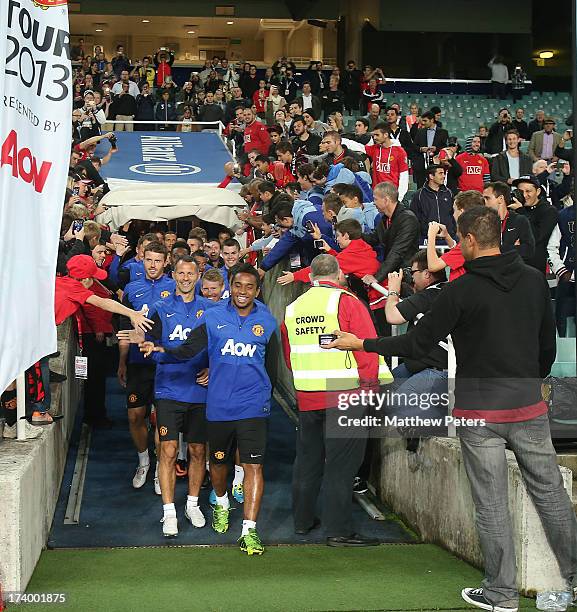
(35, 136)
(166, 201)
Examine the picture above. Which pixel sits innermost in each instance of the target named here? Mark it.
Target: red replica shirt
(70, 295)
(257, 137)
(354, 318)
(387, 163)
(455, 260)
(259, 100)
(475, 166)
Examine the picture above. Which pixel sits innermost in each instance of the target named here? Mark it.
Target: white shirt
(132, 88)
(307, 101)
(513, 166)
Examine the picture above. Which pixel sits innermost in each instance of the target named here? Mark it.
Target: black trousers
(328, 462)
(564, 305)
(95, 384)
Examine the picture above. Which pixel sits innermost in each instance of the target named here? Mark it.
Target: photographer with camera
(163, 60)
(547, 176)
(91, 117)
(144, 73)
(496, 139)
(511, 163)
(120, 62)
(530, 200)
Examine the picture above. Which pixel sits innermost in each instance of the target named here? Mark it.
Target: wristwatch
(394, 293)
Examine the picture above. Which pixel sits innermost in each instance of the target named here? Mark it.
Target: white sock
(223, 501)
(208, 466)
(143, 458)
(156, 469)
(169, 510)
(191, 500)
(246, 525)
(238, 475)
(182, 448)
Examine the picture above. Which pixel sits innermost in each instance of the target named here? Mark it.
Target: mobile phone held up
(309, 226)
(77, 225)
(319, 244)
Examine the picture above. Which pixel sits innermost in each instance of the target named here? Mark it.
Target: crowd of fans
(382, 199)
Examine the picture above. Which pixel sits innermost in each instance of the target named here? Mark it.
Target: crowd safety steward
(325, 462)
(320, 375)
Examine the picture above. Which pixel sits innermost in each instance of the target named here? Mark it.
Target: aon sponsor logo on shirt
(239, 349)
(179, 333)
(474, 169)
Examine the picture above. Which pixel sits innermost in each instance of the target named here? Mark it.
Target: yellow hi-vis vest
(314, 368)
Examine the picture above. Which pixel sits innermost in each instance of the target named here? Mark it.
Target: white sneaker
(31, 431)
(157, 486)
(169, 526)
(195, 516)
(140, 476)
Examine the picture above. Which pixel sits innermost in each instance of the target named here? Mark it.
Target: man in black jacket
(428, 141)
(540, 214)
(496, 139)
(332, 98)
(351, 85)
(500, 319)
(397, 232)
(434, 202)
(516, 232)
(398, 135)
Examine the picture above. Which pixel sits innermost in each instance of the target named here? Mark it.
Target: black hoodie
(543, 219)
(501, 322)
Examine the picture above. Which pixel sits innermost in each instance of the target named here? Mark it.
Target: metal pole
(20, 407)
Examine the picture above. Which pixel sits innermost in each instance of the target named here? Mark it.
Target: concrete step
(569, 460)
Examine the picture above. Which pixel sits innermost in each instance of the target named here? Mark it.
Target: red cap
(83, 266)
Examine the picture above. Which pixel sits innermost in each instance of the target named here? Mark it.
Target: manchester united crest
(258, 330)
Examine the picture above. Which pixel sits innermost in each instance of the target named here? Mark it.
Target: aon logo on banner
(240, 349)
(179, 333)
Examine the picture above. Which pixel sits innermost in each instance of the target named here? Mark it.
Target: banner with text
(35, 135)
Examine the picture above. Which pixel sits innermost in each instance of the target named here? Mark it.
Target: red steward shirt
(257, 137)
(69, 296)
(455, 260)
(475, 166)
(355, 318)
(387, 163)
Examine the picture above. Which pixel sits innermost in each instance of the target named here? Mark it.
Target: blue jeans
(486, 465)
(425, 382)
